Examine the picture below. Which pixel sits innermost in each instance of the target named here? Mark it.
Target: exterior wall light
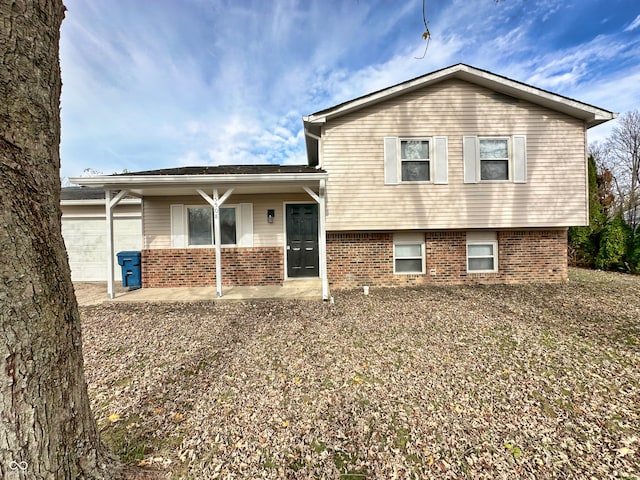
(270, 214)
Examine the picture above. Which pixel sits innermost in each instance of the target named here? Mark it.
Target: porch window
(200, 226)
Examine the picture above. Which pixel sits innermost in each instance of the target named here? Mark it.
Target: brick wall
(366, 258)
(538, 254)
(356, 259)
(196, 267)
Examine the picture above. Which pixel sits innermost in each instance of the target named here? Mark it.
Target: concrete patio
(95, 293)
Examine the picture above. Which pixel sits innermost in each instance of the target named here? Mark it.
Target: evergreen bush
(614, 243)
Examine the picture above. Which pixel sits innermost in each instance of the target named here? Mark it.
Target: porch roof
(245, 179)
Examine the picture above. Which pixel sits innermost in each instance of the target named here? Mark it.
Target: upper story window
(200, 226)
(494, 154)
(495, 159)
(415, 160)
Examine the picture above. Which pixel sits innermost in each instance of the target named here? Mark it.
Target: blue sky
(161, 83)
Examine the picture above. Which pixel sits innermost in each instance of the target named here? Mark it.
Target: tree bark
(47, 430)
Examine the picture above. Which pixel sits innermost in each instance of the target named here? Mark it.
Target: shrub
(633, 254)
(614, 242)
(583, 246)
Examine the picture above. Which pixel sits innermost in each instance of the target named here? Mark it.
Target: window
(482, 251)
(415, 160)
(481, 257)
(494, 159)
(200, 226)
(408, 253)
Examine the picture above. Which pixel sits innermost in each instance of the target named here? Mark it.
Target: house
(84, 227)
(457, 176)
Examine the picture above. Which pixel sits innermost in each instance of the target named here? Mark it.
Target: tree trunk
(46, 429)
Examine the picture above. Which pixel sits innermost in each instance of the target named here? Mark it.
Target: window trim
(409, 239)
(479, 160)
(430, 160)
(494, 245)
(235, 207)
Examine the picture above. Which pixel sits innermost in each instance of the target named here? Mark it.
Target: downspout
(586, 163)
(319, 142)
(322, 213)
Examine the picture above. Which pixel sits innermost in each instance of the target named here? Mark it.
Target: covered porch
(215, 228)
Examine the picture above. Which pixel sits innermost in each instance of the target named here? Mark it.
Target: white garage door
(86, 242)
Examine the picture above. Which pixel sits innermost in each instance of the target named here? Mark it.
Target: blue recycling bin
(131, 269)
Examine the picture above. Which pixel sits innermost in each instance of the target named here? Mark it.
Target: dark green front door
(302, 240)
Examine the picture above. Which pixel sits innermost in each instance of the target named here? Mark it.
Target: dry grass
(443, 382)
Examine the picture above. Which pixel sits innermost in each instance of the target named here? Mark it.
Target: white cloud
(633, 25)
(216, 82)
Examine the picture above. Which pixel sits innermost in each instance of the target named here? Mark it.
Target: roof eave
(590, 114)
(600, 119)
(124, 181)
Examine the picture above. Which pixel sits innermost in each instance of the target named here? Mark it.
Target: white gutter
(181, 180)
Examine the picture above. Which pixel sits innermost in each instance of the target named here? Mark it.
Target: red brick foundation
(196, 267)
(366, 258)
(356, 259)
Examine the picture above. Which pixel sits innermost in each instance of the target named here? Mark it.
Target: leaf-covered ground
(538, 381)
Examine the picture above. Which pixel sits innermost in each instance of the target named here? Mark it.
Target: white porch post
(110, 204)
(216, 235)
(322, 207)
(216, 202)
(322, 235)
(109, 218)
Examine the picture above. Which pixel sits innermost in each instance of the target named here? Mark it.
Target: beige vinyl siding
(121, 210)
(157, 221)
(353, 154)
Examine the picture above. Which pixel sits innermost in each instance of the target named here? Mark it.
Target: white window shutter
(245, 224)
(178, 228)
(440, 164)
(391, 160)
(470, 161)
(519, 159)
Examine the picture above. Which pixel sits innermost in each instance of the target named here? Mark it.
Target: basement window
(408, 253)
(482, 252)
